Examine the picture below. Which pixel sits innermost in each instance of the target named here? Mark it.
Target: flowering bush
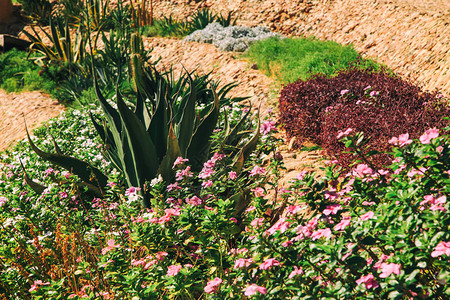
(366, 234)
(377, 104)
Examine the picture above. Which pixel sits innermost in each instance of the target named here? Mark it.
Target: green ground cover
(290, 59)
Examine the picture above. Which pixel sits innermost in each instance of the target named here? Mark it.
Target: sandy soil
(34, 107)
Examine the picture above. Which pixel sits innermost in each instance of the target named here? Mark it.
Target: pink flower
(295, 272)
(179, 161)
(132, 191)
(173, 270)
(367, 216)
(287, 244)
(343, 92)
(207, 184)
(293, 209)
(259, 192)
(257, 222)
(232, 175)
(368, 203)
(332, 209)
(110, 246)
(161, 255)
(213, 285)
(402, 140)
(179, 175)
(253, 289)
(341, 225)
(369, 281)
(194, 201)
(269, 263)
(257, 170)
(341, 134)
(388, 269)
(234, 220)
(429, 135)
(374, 93)
(282, 225)
(267, 127)
(443, 248)
(321, 233)
(205, 173)
(37, 284)
(301, 175)
(435, 207)
(173, 186)
(3, 200)
(362, 170)
(243, 263)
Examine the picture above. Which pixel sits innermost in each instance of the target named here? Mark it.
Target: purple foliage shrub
(378, 104)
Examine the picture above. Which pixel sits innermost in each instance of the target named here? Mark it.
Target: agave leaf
(238, 162)
(57, 39)
(58, 150)
(231, 137)
(67, 43)
(226, 125)
(199, 148)
(85, 171)
(242, 200)
(185, 128)
(142, 148)
(36, 187)
(159, 125)
(173, 152)
(246, 150)
(111, 114)
(253, 142)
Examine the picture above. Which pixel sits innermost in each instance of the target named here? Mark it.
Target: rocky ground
(412, 37)
(32, 107)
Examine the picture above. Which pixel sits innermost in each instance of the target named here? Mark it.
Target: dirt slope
(412, 37)
(34, 107)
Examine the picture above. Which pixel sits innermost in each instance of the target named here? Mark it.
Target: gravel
(232, 38)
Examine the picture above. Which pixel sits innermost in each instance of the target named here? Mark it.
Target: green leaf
(368, 240)
(142, 150)
(85, 171)
(173, 152)
(199, 148)
(185, 128)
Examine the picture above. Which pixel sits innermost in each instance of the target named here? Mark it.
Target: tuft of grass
(18, 74)
(290, 59)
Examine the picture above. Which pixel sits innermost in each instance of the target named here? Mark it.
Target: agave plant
(145, 142)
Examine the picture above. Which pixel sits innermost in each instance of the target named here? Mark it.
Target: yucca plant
(64, 48)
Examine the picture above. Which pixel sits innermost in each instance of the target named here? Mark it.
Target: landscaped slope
(410, 37)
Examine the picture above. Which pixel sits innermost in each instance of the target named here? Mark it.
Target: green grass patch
(19, 74)
(290, 59)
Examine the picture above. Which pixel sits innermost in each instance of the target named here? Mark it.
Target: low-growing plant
(17, 74)
(376, 103)
(201, 18)
(290, 59)
(170, 27)
(165, 27)
(369, 234)
(37, 10)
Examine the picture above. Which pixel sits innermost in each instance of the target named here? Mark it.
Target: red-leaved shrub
(378, 104)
